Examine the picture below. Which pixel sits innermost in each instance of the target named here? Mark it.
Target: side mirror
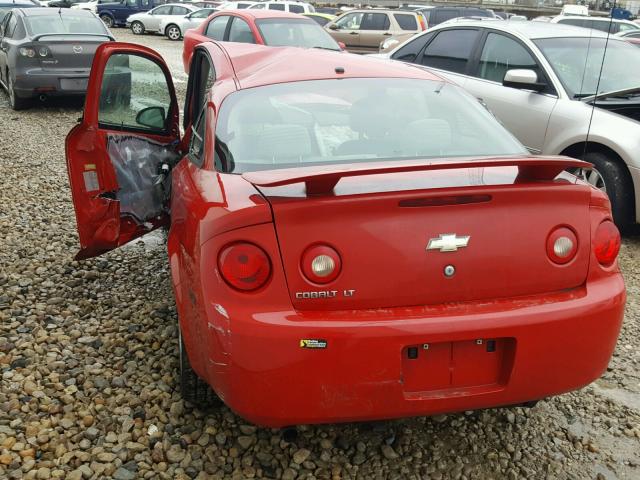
(342, 46)
(333, 26)
(523, 79)
(152, 117)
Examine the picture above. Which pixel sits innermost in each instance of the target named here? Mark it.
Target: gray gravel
(88, 360)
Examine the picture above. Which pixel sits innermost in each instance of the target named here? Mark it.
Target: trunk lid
(69, 52)
(381, 225)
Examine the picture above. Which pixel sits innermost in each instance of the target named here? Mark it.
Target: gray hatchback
(48, 52)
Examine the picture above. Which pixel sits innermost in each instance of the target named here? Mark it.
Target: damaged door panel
(120, 155)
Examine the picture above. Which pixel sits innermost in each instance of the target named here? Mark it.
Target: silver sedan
(150, 21)
(548, 84)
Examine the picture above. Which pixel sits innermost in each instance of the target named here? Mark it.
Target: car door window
(351, 21)
(204, 13)
(240, 31)
(578, 22)
(501, 53)
(406, 22)
(179, 10)
(375, 21)
(625, 27)
(409, 52)
(166, 10)
(276, 6)
(134, 3)
(450, 50)
(134, 95)
(217, 27)
(257, 6)
(296, 8)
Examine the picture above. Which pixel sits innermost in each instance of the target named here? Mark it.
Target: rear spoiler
(323, 179)
(38, 37)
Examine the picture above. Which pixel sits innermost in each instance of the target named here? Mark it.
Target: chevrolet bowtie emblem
(448, 242)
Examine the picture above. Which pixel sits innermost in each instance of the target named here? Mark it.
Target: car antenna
(595, 100)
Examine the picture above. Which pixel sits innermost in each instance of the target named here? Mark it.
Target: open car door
(120, 154)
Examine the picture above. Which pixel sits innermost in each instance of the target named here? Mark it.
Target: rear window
(294, 32)
(43, 24)
(323, 122)
(442, 15)
(477, 12)
(406, 22)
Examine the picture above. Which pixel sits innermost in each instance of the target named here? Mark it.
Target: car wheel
(193, 388)
(610, 176)
(107, 20)
(16, 102)
(173, 32)
(137, 28)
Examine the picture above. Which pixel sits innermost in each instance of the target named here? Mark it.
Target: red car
(263, 27)
(350, 238)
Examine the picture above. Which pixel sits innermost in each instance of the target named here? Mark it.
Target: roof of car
(45, 11)
(533, 30)
(589, 17)
(258, 65)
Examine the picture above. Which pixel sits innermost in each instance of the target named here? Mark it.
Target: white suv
(286, 6)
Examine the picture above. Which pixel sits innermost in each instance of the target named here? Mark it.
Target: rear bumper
(36, 81)
(547, 345)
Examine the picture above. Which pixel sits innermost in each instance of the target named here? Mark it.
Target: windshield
(345, 121)
(68, 23)
(294, 32)
(577, 62)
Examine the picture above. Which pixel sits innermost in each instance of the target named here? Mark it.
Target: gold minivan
(362, 31)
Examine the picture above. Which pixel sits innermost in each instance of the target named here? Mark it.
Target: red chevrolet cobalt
(349, 239)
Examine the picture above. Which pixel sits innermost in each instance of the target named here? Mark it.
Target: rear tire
(137, 28)
(612, 177)
(193, 388)
(16, 102)
(173, 32)
(107, 20)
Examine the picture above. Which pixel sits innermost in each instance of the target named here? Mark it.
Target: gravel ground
(88, 359)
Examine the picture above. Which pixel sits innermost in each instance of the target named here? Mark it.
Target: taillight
(606, 243)
(321, 264)
(562, 245)
(244, 266)
(423, 24)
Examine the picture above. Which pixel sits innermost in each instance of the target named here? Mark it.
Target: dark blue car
(116, 13)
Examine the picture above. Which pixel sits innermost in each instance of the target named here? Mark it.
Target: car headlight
(389, 43)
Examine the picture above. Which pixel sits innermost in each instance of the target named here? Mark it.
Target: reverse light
(606, 243)
(27, 52)
(244, 266)
(423, 24)
(321, 264)
(562, 245)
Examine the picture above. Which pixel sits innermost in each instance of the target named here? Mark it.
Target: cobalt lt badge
(448, 242)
